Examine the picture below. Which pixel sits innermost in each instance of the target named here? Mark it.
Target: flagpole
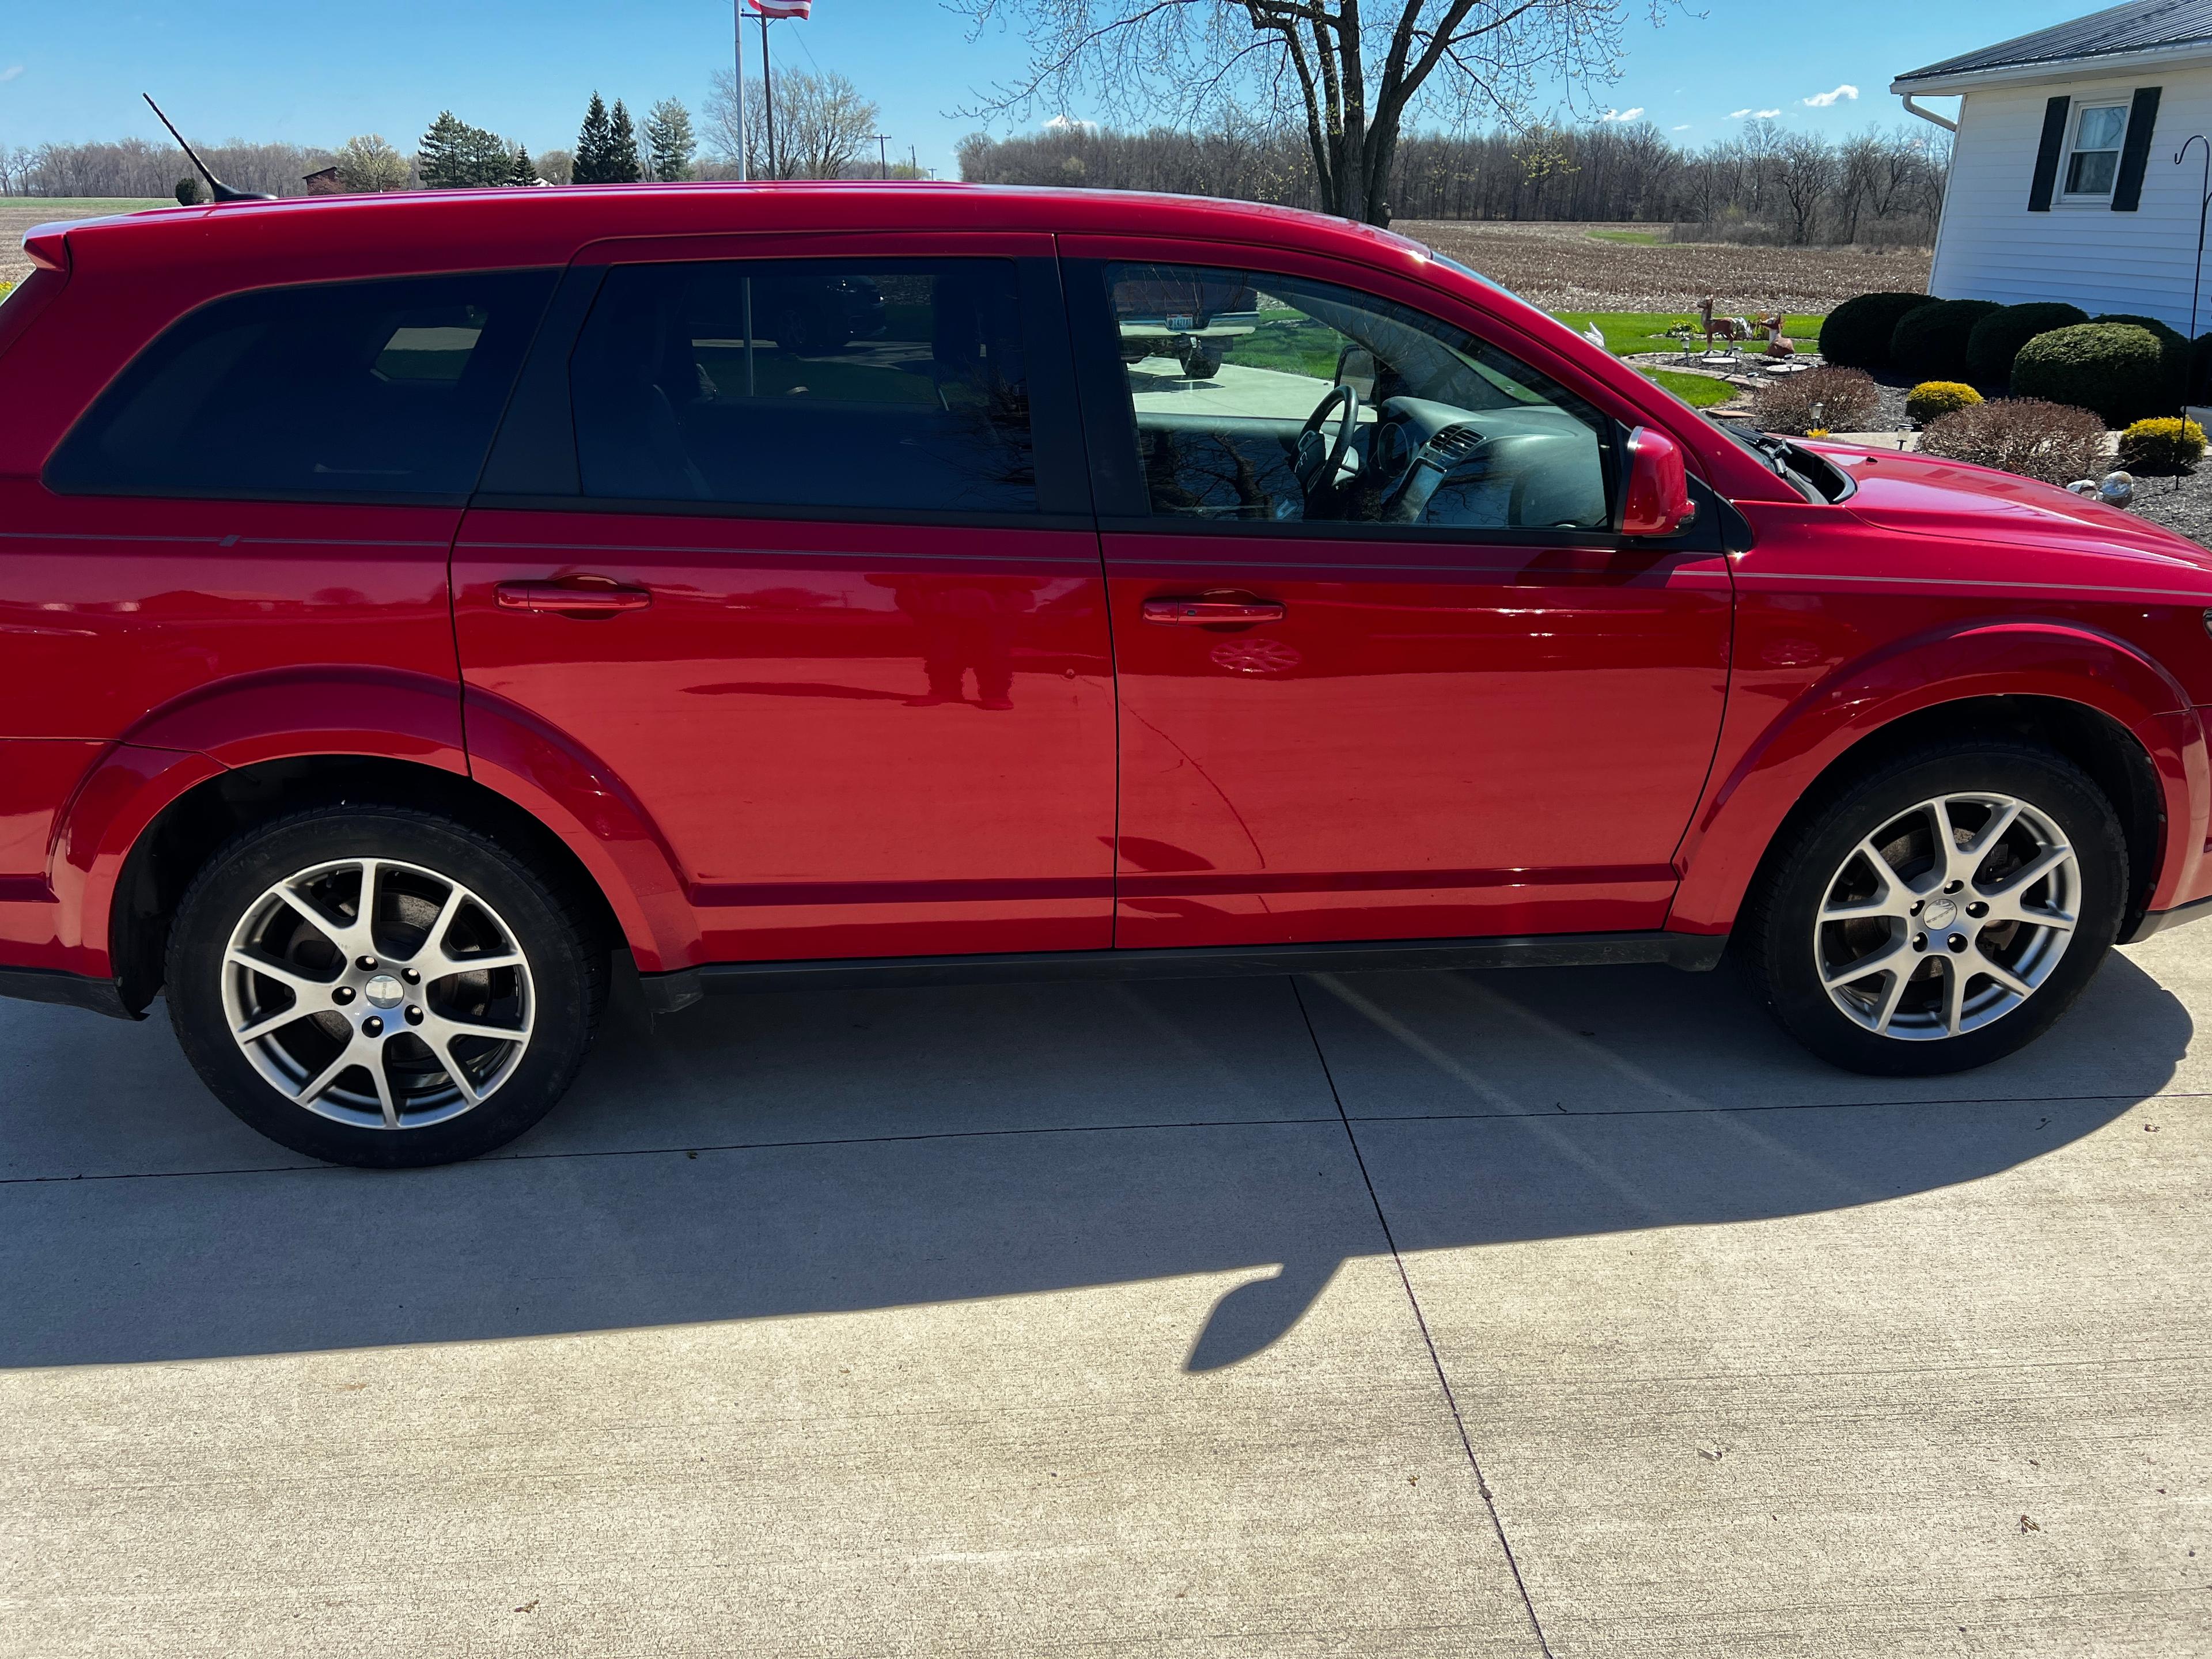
(737, 87)
(768, 99)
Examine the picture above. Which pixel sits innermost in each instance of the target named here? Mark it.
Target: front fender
(1746, 804)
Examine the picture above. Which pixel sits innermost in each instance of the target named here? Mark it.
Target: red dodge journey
(411, 602)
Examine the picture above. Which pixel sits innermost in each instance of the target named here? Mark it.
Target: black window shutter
(2047, 154)
(2135, 153)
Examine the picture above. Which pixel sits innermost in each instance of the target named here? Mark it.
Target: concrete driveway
(1392, 1315)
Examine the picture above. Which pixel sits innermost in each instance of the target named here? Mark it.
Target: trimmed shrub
(1997, 339)
(2119, 369)
(1929, 342)
(2034, 439)
(1856, 332)
(1818, 400)
(2167, 444)
(1933, 398)
(2173, 351)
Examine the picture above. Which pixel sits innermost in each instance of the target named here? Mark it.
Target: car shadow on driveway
(821, 1152)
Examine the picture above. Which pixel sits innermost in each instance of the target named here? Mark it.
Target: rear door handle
(1205, 613)
(568, 598)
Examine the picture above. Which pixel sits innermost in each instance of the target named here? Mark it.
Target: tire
(1896, 986)
(268, 940)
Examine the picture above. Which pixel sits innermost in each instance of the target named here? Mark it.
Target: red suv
(411, 602)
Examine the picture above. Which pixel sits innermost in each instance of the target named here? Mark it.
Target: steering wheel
(1319, 458)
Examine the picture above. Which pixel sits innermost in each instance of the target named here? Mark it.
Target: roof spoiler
(221, 191)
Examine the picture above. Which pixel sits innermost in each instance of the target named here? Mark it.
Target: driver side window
(1269, 399)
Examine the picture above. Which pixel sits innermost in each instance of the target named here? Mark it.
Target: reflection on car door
(862, 683)
(1489, 721)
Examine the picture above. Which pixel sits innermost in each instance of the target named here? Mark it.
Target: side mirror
(1355, 368)
(1658, 499)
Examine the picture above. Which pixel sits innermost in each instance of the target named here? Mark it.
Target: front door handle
(599, 599)
(1211, 612)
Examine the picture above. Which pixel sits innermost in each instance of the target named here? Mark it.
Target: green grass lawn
(66, 207)
(1627, 331)
(1699, 390)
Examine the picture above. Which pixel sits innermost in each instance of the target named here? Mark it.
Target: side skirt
(71, 990)
(1693, 952)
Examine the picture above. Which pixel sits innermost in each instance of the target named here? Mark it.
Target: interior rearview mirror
(1657, 501)
(1355, 368)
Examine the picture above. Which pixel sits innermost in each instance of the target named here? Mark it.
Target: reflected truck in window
(422, 608)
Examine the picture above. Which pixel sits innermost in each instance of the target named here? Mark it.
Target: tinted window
(1281, 400)
(384, 388)
(808, 383)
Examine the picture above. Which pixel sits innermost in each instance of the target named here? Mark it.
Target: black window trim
(307, 498)
(1125, 506)
(537, 468)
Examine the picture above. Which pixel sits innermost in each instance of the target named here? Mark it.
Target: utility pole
(738, 88)
(883, 154)
(768, 99)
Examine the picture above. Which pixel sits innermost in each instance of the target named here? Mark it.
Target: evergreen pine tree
(439, 161)
(593, 146)
(669, 144)
(621, 148)
(521, 170)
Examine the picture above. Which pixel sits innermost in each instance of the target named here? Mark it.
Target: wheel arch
(177, 841)
(2090, 698)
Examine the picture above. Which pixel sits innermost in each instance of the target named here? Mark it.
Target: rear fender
(577, 796)
(288, 713)
(1745, 807)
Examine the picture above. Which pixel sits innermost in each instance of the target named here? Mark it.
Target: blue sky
(259, 69)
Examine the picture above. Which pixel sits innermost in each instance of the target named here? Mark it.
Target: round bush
(1997, 339)
(1929, 342)
(1818, 400)
(1856, 332)
(2167, 444)
(2037, 440)
(1933, 398)
(2119, 369)
(2173, 351)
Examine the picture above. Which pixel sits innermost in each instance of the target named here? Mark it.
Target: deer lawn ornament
(1730, 329)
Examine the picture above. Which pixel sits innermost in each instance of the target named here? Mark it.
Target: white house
(2063, 183)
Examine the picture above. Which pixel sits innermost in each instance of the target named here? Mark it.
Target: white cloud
(1764, 114)
(1685, 127)
(1822, 99)
(11, 72)
(1633, 113)
(1069, 124)
(1738, 114)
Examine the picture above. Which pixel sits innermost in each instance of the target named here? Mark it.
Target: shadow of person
(998, 1142)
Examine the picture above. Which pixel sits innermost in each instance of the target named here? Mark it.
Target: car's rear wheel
(382, 987)
(1941, 911)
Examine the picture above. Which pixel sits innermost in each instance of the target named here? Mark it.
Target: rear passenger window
(381, 389)
(885, 385)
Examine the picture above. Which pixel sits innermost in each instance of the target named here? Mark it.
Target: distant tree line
(1765, 184)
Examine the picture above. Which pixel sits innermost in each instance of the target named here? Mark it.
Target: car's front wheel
(380, 987)
(1941, 911)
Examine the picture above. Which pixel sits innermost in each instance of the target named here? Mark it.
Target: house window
(2094, 161)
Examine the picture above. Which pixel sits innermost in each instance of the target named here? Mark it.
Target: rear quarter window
(387, 389)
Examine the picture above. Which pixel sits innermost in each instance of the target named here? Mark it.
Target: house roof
(2140, 26)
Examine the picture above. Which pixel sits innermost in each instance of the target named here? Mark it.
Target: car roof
(448, 229)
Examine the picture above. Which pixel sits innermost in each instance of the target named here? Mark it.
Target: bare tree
(824, 126)
(1805, 176)
(1354, 80)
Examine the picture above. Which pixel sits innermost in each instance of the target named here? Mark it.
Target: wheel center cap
(385, 992)
(1938, 913)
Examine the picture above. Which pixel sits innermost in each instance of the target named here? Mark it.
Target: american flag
(797, 8)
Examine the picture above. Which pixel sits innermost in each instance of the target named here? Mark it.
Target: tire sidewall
(560, 982)
(1790, 971)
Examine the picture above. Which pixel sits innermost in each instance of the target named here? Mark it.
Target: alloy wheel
(1948, 917)
(378, 994)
